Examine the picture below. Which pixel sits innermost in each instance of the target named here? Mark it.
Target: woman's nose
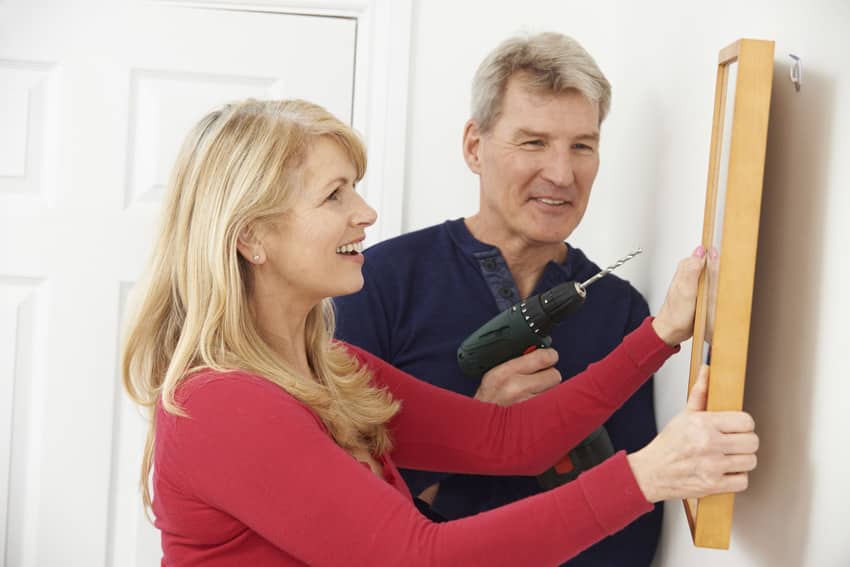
(364, 215)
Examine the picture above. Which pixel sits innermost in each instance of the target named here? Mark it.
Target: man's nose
(558, 169)
(363, 215)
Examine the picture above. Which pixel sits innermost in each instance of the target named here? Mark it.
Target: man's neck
(526, 260)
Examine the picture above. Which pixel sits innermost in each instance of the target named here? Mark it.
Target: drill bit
(611, 268)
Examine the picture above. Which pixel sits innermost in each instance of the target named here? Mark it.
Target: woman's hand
(698, 453)
(675, 321)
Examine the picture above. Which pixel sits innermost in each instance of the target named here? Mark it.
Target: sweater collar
(572, 268)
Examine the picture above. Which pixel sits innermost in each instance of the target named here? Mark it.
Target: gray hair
(553, 62)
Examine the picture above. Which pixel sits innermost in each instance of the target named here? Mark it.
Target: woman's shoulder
(219, 394)
(217, 382)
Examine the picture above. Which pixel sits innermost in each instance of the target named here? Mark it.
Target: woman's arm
(441, 430)
(252, 451)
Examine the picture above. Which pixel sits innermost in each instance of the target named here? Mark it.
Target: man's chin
(553, 226)
(544, 236)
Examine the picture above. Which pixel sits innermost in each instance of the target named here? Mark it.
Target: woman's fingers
(698, 397)
(740, 463)
(732, 421)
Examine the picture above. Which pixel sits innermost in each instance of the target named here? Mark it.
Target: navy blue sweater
(428, 290)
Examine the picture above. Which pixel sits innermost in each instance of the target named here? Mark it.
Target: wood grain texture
(711, 517)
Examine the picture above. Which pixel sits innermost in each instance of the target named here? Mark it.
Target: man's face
(537, 164)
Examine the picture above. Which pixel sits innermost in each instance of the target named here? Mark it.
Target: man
(533, 140)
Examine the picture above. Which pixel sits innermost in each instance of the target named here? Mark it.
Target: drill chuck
(560, 301)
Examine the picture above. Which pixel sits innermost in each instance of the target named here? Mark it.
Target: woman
(271, 444)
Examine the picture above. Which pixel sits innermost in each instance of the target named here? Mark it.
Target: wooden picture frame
(730, 234)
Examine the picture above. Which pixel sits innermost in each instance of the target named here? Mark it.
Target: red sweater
(252, 477)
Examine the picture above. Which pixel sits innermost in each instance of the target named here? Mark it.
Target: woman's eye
(533, 143)
(583, 147)
(333, 196)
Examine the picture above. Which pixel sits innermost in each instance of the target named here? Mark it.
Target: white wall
(661, 58)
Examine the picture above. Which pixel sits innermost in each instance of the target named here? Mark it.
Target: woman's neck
(282, 324)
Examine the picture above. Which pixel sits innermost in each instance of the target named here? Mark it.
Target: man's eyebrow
(524, 133)
(594, 136)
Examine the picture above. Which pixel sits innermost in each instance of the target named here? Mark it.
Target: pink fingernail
(699, 251)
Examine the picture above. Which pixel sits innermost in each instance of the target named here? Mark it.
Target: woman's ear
(249, 245)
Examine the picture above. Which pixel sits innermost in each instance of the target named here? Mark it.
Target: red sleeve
(443, 431)
(252, 451)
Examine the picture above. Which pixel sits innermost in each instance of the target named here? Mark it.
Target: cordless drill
(523, 328)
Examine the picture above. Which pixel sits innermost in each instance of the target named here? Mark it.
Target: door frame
(379, 109)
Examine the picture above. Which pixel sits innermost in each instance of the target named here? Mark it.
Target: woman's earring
(256, 257)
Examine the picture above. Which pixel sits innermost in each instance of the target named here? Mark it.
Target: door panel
(95, 97)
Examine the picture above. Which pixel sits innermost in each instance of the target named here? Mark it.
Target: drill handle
(503, 338)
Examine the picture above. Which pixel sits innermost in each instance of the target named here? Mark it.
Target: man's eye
(334, 196)
(538, 143)
(583, 147)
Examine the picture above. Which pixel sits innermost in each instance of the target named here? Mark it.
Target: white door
(95, 96)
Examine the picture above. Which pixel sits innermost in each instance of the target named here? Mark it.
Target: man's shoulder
(404, 242)
(412, 248)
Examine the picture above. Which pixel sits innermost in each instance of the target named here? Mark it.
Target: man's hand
(698, 453)
(520, 379)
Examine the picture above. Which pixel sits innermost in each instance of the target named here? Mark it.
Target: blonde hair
(550, 63)
(239, 167)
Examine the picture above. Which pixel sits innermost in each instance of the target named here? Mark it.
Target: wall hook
(796, 72)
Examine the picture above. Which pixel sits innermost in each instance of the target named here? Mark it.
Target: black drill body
(522, 328)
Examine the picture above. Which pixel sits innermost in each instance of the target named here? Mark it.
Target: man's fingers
(523, 387)
(543, 380)
(529, 363)
(698, 397)
(520, 378)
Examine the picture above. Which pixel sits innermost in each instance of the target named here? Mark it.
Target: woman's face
(314, 250)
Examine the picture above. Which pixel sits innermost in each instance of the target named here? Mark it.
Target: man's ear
(472, 146)
(249, 245)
